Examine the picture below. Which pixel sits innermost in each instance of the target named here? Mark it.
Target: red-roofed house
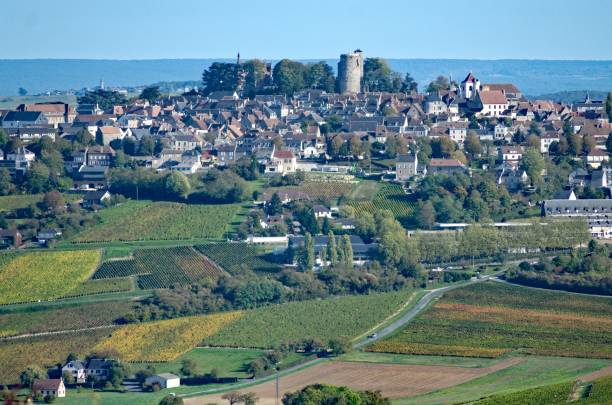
(491, 103)
(282, 162)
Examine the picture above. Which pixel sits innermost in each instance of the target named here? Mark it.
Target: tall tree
(378, 76)
(347, 250)
(409, 84)
(533, 163)
(220, 76)
(320, 76)
(6, 184)
(288, 76)
(427, 215)
(472, 145)
(332, 251)
(440, 83)
(105, 99)
(308, 260)
(609, 106)
(151, 94)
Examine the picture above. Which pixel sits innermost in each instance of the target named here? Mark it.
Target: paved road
(414, 311)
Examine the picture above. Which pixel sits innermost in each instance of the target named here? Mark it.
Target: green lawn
(228, 362)
(533, 372)
(365, 190)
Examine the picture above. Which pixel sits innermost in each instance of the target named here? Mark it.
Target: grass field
(16, 355)
(228, 362)
(424, 360)
(234, 257)
(91, 287)
(45, 275)
(39, 319)
(388, 197)
(161, 268)
(534, 371)
(160, 221)
(341, 317)
(490, 319)
(13, 202)
(164, 340)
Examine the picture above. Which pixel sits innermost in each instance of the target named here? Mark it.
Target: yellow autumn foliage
(164, 340)
(45, 275)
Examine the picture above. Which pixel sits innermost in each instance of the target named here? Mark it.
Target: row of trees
(338, 251)
(289, 77)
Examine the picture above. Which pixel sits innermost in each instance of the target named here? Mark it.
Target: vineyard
(91, 287)
(600, 392)
(234, 257)
(389, 197)
(315, 189)
(17, 355)
(489, 319)
(44, 275)
(71, 317)
(164, 340)
(161, 221)
(346, 317)
(161, 268)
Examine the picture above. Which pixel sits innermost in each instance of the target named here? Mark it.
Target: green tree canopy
(151, 94)
(288, 76)
(105, 99)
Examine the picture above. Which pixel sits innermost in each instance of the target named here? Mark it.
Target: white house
(546, 140)
(492, 103)
(49, 386)
(282, 162)
(164, 380)
(596, 157)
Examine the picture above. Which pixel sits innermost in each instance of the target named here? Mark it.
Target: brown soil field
(604, 372)
(394, 381)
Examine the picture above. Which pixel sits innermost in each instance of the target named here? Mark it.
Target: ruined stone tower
(350, 72)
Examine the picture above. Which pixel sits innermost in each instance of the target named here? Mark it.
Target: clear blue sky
(272, 29)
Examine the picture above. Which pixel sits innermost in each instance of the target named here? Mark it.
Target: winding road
(380, 333)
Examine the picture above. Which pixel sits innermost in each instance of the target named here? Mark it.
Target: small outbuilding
(164, 380)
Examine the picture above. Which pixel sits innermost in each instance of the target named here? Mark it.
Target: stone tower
(350, 72)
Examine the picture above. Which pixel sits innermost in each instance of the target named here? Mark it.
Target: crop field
(161, 268)
(46, 351)
(533, 372)
(44, 275)
(347, 317)
(316, 189)
(394, 381)
(164, 340)
(109, 285)
(161, 221)
(13, 202)
(233, 257)
(490, 319)
(388, 197)
(40, 319)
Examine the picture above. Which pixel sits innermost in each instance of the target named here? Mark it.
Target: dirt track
(604, 372)
(395, 381)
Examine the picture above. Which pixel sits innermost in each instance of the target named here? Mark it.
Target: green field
(490, 319)
(228, 362)
(135, 221)
(13, 102)
(44, 275)
(13, 202)
(234, 257)
(341, 317)
(423, 360)
(161, 268)
(388, 197)
(535, 371)
(40, 319)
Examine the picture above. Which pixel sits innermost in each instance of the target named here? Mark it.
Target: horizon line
(305, 59)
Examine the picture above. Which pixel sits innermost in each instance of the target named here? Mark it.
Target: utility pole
(277, 386)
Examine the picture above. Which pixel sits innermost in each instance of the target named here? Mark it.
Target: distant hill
(570, 97)
(530, 76)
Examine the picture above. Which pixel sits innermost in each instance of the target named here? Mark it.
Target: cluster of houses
(192, 131)
(93, 371)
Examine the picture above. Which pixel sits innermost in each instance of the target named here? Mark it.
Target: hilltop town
(302, 213)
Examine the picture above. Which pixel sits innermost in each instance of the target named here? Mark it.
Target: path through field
(394, 381)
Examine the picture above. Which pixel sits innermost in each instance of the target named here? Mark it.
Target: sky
(274, 29)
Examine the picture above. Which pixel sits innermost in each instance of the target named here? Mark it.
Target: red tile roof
(283, 154)
(492, 97)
